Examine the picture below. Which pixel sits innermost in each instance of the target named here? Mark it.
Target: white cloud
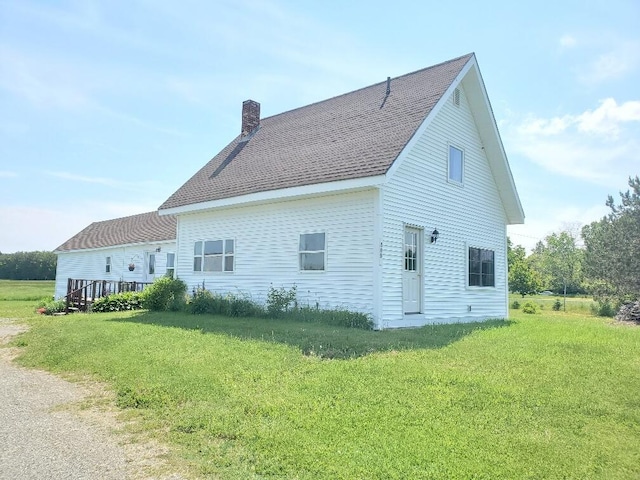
(623, 58)
(30, 228)
(39, 81)
(599, 145)
(609, 118)
(606, 120)
(568, 41)
(107, 182)
(26, 228)
(556, 219)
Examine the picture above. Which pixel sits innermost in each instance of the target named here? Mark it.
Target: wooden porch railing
(82, 293)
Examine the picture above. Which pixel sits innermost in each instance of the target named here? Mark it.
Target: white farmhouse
(392, 200)
(138, 248)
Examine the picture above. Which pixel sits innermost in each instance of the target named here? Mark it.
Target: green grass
(579, 305)
(25, 290)
(551, 395)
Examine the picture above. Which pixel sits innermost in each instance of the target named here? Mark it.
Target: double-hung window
(107, 267)
(481, 267)
(456, 164)
(213, 256)
(312, 250)
(171, 264)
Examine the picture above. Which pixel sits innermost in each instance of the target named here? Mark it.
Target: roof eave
(318, 189)
(494, 149)
(118, 245)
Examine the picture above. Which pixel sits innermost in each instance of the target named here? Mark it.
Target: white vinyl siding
(419, 194)
(90, 264)
(267, 249)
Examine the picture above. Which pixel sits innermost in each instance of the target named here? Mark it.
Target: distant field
(580, 305)
(551, 395)
(26, 289)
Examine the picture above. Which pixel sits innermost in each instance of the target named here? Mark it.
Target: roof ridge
(286, 112)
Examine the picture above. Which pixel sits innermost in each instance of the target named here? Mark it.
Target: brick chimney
(250, 116)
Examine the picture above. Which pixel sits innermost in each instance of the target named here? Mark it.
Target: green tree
(28, 266)
(612, 248)
(559, 260)
(523, 278)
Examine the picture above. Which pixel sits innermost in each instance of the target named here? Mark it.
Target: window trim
(468, 269)
(462, 164)
(224, 256)
(301, 252)
(107, 266)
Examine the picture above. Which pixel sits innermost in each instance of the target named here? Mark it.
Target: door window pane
(152, 263)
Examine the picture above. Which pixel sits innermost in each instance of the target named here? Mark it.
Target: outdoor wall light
(434, 235)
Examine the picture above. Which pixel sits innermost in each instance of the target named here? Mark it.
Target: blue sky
(107, 107)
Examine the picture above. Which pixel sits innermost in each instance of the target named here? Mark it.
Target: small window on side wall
(171, 264)
(107, 267)
(312, 251)
(456, 164)
(481, 268)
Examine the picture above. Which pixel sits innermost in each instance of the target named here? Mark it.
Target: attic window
(456, 164)
(456, 97)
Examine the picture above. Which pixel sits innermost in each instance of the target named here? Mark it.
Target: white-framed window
(213, 256)
(151, 268)
(481, 267)
(312, 251)
(107, 266)
(171, 264)
(456, 164)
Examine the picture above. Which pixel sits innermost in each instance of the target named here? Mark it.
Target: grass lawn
(551, 395)
(575, 304)
(26, 290)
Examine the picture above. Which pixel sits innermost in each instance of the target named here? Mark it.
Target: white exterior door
(411, 279)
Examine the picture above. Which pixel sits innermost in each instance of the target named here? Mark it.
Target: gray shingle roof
(355, 135)
(142, 228)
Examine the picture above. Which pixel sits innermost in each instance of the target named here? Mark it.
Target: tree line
(28, 266)
(606, 265)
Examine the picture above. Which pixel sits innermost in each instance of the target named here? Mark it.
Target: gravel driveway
(41, 437)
